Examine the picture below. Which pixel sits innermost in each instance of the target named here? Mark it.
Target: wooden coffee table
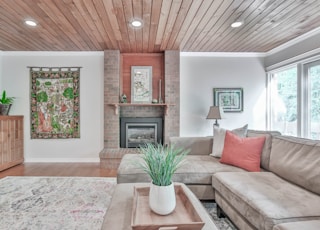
(119, 213)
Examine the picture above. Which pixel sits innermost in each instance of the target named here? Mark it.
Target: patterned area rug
(59, 203)
(221, 223)
(54, 202)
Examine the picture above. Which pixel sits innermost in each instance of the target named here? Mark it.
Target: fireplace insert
(137, 131)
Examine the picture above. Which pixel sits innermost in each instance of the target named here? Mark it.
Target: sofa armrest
(196, 145)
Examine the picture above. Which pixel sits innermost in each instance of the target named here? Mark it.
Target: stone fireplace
(169, 112)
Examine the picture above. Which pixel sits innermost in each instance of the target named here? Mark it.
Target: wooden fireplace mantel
(117, 105)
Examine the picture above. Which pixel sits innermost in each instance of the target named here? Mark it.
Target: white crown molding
(314, 54)
(222, 54)
(294, 41)
(61, 160)
(53, 53)
(286, 45)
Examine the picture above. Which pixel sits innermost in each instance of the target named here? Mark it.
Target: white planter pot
(162, 199)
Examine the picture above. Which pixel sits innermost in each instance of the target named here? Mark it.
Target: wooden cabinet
(11, 141)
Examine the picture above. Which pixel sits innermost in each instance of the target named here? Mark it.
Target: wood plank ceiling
(186, 25)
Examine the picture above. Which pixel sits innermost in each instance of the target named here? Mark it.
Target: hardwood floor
(59, 169)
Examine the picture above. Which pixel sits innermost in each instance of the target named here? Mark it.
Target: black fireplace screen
(139, 134)
(135, 132)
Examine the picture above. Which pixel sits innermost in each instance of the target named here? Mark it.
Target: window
(283, 101)
(294, 100)
(313, 100)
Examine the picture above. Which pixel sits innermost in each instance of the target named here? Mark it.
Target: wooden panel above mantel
(156, 60)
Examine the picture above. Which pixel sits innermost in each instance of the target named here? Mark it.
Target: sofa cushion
(265, 155)
(196, 145)
(219, 137)
(299, 225)
(265, 199)
(242, 152)
(194, 170)
(297, 160)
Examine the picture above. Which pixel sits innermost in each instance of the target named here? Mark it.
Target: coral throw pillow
(219, 135)
(242, 152)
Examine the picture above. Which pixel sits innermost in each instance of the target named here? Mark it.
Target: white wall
(16, 80)
(200, 74)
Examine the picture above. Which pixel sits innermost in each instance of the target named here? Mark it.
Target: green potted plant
(5, 103)
(160, 163)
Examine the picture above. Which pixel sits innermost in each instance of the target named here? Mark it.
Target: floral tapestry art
(55, 110)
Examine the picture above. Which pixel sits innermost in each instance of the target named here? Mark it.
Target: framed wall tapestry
(55, 102)
(141, 84)
(231, 99)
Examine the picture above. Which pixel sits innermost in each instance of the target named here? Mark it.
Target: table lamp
(215, 112)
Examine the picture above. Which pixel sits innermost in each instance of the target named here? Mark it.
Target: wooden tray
(185, 216)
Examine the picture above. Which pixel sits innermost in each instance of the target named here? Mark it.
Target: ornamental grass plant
(161, 162)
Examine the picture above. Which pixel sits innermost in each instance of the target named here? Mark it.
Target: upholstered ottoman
(119, 212)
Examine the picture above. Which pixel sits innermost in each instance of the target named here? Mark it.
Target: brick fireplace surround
(111, 155)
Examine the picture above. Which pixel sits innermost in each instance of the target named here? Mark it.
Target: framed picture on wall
(141, 84)
(231, 99)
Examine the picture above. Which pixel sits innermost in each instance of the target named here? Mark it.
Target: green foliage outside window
(315, 93)
(285, 101)
(287, 91)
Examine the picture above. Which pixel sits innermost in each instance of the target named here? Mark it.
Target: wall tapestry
(55, 102)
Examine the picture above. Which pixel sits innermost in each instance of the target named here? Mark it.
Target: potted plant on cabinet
(5, 103)
(160, 163)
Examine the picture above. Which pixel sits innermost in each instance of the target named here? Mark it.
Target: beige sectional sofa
(287, 189)
(196, 172)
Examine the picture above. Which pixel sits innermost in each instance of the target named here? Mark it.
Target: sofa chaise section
(299, 225)
(263, 199)
(289, 192)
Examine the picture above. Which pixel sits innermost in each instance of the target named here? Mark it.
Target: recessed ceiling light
(236, 24)
(136, 23)
(30, 23)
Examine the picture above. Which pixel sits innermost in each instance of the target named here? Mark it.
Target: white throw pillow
(218, 138)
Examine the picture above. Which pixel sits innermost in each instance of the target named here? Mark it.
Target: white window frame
(302, 92)
(269, 90)
(305, 122)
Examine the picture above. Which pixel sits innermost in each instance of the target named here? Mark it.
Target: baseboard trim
(61, 160)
